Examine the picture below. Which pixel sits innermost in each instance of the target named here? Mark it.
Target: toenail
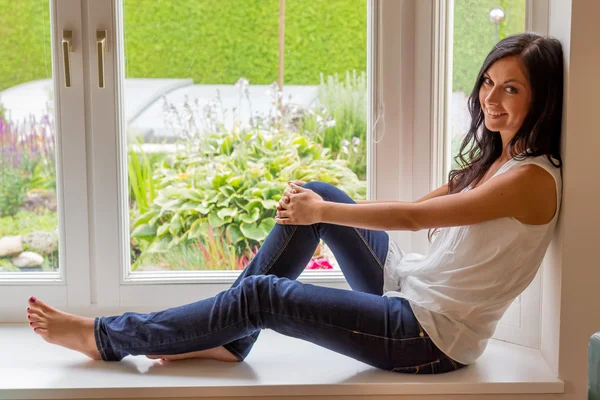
(28, 308)
(32, 299)
(31, 324)
(35, 329)
(29, 317)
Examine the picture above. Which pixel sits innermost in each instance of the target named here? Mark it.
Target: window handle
(101, 49)
(67, 47)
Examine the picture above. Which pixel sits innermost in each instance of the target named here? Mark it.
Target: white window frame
(405, 165)
(64, 286)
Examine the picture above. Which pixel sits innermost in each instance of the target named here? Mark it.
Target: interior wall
(571, 310)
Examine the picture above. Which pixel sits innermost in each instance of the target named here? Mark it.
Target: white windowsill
(33, 369)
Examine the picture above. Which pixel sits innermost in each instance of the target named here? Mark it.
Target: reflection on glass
(28, 214)
(213, 139)
(478, 26)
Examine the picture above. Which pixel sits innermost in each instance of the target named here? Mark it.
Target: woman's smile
(493, 115)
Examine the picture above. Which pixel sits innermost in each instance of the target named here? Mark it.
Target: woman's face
(505, 96)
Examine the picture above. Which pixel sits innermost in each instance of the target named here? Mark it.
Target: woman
(407, 312)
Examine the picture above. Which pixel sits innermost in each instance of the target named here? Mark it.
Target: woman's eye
(512, 90)
(487, 81)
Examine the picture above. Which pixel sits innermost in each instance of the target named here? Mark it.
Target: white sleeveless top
(461, 289)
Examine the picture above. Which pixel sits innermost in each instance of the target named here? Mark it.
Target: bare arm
(517, 193)
(441, 191)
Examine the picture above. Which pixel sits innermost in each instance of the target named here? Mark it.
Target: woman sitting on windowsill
(407, 312)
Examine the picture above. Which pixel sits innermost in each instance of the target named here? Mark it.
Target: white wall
(571, 306)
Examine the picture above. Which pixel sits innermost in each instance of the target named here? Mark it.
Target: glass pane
(478, 26)
(211, 138)
(28, 213)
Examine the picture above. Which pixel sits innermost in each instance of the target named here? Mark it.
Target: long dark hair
(539, 134)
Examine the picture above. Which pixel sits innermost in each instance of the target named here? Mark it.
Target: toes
(40, 331)
(33, 318)
(35, 311)
(35, 303)
(38, 324)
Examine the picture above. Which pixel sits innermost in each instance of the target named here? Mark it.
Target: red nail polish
(28, 308)
(31, 324)
(29, 317)
(32, 299)
(34, 329)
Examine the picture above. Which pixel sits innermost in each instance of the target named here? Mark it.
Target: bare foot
(66, 330)
(218, 353)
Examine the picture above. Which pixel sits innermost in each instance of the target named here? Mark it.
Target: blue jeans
(360, 323)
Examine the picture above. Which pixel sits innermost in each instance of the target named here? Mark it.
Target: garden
(210, 204)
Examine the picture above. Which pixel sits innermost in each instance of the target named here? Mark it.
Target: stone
(41, 242)
(28, 259)
(10, 246)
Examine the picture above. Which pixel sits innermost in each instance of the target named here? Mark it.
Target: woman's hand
(299, 206)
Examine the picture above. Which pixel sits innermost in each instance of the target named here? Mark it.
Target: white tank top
(462, 287)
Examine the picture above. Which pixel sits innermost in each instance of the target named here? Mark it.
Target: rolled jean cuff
(231, 348)
(102, 344)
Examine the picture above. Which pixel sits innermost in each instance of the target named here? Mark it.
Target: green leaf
(191, 194)
(202, 209)
(215, 221)
(162, 230)
(251, 217)
(253, 204)
(235, 181)
(267, 225)
(227, 212)
(253, 231)
(235, 233)
(159, 245)
(227, 190)
(175, 225)
(145, 218)
(269, 204)
(144, 230)
(198, 228)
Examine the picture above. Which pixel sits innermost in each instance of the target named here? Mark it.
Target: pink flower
(319, 263)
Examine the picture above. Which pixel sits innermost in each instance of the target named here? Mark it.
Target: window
(163, 81)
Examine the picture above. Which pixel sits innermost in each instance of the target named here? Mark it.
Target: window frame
(64, 286)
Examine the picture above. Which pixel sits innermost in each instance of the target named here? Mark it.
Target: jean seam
(345, 329)
(418, 367)
(274, 260)
(366, 242)
(453, 363)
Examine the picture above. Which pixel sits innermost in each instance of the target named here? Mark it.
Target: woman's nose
(492, 97)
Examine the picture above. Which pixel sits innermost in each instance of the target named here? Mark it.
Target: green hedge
(24, 42)
(221, 41)
(209, 41)
(475, 35)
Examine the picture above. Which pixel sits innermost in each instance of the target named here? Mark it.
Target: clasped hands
(299, 206)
